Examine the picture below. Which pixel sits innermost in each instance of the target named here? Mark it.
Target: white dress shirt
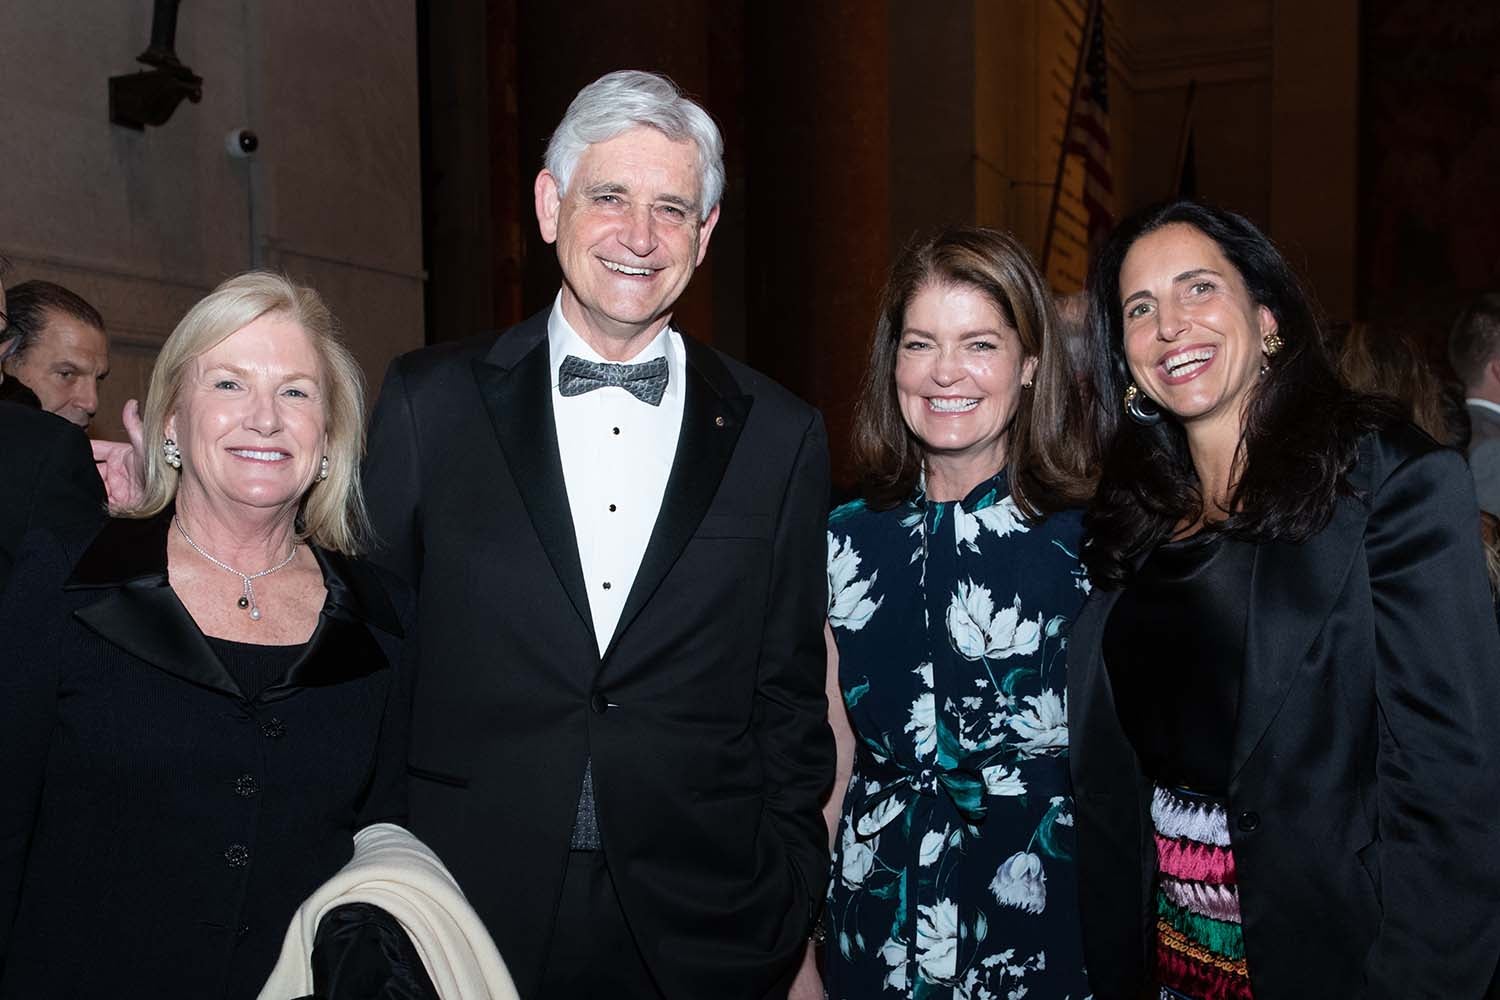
(1484, 404)
(617, 453)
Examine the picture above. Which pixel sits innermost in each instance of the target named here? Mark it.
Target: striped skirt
(1200, 947)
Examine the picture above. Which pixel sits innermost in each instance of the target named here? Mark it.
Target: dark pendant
(243, 602)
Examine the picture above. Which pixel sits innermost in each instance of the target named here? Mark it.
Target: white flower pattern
(1021, 882)
(923, 725)
(978, 631)
(1003, 781)
(937, 940)
(1043, 727)
(951, 621)
(1003, 518)
(856, 857)
(848, 606)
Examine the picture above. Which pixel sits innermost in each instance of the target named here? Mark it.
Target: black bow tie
(646, 381)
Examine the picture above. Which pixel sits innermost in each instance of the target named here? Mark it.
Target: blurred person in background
(1395, 367)
(47, 476)
(1474, 353)
(54, 350)
(1387, 363)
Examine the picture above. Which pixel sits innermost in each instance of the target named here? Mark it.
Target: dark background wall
(401, 139)
(1429, 209)
(852, 125)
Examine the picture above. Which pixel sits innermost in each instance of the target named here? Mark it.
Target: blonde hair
(333, 510)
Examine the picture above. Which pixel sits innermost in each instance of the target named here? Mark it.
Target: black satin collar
(140, 613)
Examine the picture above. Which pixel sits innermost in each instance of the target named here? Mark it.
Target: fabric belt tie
(964, 786)
(646, 381)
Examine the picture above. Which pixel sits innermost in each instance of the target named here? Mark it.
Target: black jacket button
(237, 855)
(245, 786)
(1248, 822)
(599, 703)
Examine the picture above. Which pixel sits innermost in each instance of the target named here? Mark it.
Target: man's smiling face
(629, 233)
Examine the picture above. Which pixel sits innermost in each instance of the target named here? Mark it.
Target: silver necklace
(247, 597)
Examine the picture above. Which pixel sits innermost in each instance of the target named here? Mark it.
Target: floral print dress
(953, 872)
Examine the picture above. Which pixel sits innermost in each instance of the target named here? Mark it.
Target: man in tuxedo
(1474, 351)
(617, 536)
(47, 475)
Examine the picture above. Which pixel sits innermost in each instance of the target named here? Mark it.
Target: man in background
(47, 475)
(54, 352)
(1474, 352)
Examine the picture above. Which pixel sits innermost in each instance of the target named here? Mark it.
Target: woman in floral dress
(953, 581)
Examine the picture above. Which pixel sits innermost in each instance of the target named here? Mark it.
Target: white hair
(627, 99)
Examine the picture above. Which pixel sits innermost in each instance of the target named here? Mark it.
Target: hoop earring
(1140, 408)
(171, 453)
(323, 469)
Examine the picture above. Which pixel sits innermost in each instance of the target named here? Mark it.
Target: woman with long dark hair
(1283, 691)
(953, 582)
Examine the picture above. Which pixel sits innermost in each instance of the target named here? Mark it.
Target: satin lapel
(141, 614)
(1087, 714)
(1098, 740)
(713, 414)
(341, 647)
(150, 623)
(138, 611)
(519, 400)
(1293, 588)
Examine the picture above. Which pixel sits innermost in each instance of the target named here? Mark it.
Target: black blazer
(157, 830)
(47, 477)
(705, 718)
(1366, 766)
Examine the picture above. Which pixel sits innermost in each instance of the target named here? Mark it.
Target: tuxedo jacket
(1366, 756)
(704, 717)
(47, 477)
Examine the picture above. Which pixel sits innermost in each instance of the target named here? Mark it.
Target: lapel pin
(718, 421)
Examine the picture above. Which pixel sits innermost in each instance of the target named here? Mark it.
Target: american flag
(1088, 132)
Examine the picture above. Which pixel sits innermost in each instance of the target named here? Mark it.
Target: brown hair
(1047, 453)
(1390, 364)
(1475, 337)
